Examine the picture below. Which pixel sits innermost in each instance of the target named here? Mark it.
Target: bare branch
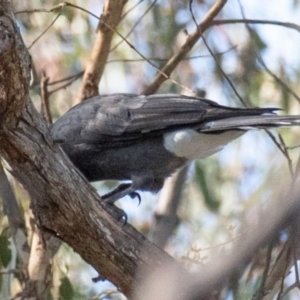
(48, 27)
(166, 219)
(69, 79)
(111, 16)
(261, 290)
(166, 59)
(132, 47)
(15, 220)
(186, 47)
(131, 9)
(253, 21)
(124, 39)
(261, 61)
(279, 271)
(135, 25)
(59, 6)
(289, 289)
(45, 109)
(218, 64)
(168, 283)
(43, 248)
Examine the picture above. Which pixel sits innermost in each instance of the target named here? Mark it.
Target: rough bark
(63, 202)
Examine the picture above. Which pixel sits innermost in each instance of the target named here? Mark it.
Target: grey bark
(63, 202)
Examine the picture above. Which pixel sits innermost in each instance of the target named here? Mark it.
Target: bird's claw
(118, 213)
(135, 195)
(121, 191)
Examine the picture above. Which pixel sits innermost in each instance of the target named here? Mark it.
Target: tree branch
(186, 47)
(111, 16)
(166, 219)
(16, 222)
(168, 283)
(254, 21)
(63, 202)
(43, 248)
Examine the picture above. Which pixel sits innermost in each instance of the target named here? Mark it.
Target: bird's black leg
(118, 193)
(122, 190)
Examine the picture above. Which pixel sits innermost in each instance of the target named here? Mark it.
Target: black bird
(147, 138)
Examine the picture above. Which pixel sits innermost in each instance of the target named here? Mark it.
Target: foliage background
(225, 192)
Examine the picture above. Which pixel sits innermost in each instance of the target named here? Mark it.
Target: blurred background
(258, 63)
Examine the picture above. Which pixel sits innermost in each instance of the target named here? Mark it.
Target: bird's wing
(118, 117)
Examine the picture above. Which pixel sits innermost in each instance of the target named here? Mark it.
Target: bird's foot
(118, 213)
(111, 197)
(122, 190)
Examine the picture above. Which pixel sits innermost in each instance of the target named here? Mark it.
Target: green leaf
(5, 251)
(209, 196)
(66, 291)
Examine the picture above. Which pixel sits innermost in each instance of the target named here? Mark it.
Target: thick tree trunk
(63, 202)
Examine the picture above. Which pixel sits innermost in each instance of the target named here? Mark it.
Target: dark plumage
(146, 138)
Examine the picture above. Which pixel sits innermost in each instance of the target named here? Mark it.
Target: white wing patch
(191, 144)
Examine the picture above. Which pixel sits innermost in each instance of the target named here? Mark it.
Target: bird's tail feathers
(251, 122)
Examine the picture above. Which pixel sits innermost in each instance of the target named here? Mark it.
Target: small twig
(253, 21)
(166, 59)
(272, 74)
(131, 9)
(213, 23)
(15, 220)
(281, 287)
(4, 271)
(286, 292)
(296, 284)
(286, 154)
(172, 63)
(30, 11)
(165, 76)
(35, 81)
(279, 270)
(282, 149)
(262, 62)
(45, 109)
(293, 147)
(296, 172)
(297, 278)
(216, 61)
(135, 25)
(69, 78)
(72, 78)
(261, 290)
(76, 76)
(48, 27)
